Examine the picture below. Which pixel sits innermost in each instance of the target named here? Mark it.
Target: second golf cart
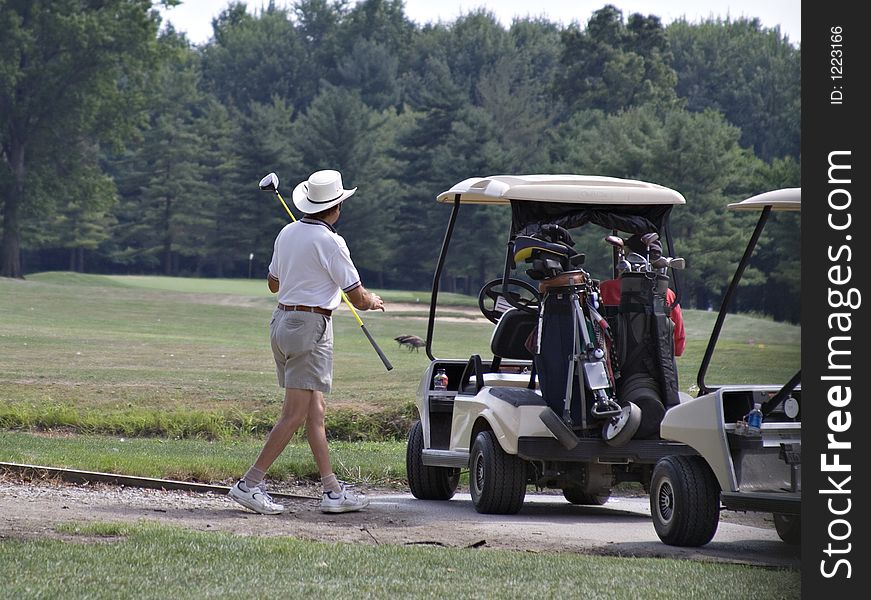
(573, 391)
(742, 465)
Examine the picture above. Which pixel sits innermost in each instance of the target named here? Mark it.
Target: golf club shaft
(381, 354)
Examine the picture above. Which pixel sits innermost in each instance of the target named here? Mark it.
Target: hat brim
(301, 201)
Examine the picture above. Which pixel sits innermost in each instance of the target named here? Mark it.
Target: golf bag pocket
(552, 363)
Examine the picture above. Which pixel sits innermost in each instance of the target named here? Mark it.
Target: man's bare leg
(316, 433)
(293, 415)
(317, 440)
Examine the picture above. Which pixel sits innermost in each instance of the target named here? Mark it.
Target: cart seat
(508, 380)
(508, 341)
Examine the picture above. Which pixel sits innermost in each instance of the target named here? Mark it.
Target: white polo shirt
(312, 264)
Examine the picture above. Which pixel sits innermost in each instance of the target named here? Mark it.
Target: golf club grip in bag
(646, 333)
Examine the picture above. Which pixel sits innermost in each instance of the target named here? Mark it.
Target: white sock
(253, 477)
(331, 484)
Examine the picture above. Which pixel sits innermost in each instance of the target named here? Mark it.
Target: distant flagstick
(270, 184)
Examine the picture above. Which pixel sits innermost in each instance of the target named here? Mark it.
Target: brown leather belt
(300, 307)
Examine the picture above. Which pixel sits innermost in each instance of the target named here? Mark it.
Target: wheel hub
(479, 473)
(665, 501)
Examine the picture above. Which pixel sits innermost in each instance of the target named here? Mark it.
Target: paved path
(621, 527)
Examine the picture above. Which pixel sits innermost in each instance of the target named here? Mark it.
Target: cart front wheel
(427, 483)
(497, 480)
(684, 501)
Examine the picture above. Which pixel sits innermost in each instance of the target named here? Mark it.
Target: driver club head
(615, 241)
(649, 238)
(269, 183)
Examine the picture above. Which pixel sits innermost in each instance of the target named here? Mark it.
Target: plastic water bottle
(754, 420)
(440, 380)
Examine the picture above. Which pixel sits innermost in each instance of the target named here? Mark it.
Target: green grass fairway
(91, 348)
(187, 357)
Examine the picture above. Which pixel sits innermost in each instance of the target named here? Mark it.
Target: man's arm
(272, 282)
(365, 300)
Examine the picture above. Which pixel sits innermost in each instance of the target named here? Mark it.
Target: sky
(194, 17)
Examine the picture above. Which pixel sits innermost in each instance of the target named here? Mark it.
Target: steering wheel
(527, 299)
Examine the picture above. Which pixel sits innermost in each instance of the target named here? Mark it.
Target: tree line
(127, 149)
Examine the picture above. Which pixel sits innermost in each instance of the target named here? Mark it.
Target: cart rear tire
(788, 528)
(582, 498)
(684, 501)
(497, 480)
(427, 483)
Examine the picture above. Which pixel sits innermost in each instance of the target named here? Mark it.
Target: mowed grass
(106, 560)
(185, 357)
(91, 350)
(205, 461)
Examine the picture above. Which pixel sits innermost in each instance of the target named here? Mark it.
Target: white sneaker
(255, 499)
(344, 501)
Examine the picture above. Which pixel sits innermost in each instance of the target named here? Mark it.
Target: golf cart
(744, 470)
(575, 390)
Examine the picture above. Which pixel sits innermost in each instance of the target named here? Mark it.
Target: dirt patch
(35, 509)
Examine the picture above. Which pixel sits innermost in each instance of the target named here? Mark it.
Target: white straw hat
(322, 191)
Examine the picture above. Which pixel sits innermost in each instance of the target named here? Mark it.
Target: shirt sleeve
(342, 269)
(273, 267)
(680, 337)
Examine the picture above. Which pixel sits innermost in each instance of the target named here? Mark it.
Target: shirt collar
(312, 221)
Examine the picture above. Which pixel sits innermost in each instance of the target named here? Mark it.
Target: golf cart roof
(785, 199)
(567, 189)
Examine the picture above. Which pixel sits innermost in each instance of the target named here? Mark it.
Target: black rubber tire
(788, 528)
(582, 498)
(684, 501)
(427, 483)
(497, 480)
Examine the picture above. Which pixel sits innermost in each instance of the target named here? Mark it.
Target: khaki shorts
(302, 345)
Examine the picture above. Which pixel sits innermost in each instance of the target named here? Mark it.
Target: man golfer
(311, 267)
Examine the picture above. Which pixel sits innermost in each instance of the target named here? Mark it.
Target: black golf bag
(645, 348)
(552, 363)
(556, 265)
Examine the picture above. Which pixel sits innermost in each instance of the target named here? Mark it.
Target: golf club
(647, 239)
(616, 241)
(664, 262)
(270, 184)
(618, 245)
(637, 263)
